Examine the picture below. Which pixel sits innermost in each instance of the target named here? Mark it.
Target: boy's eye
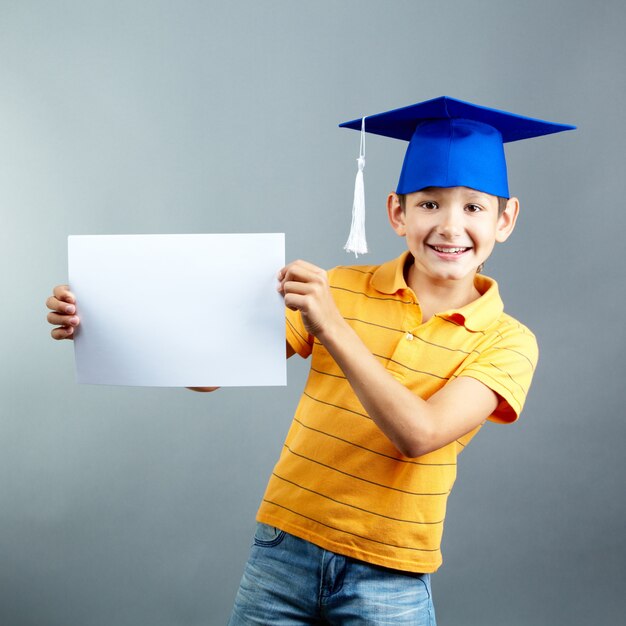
(429, 205)
(473, 208)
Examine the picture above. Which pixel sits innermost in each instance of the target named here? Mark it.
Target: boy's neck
(438, 296)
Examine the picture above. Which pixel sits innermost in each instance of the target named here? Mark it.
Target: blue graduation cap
(452, 143)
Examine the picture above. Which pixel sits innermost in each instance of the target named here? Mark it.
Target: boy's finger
(62, 292)
(304, 265)
(295, 302)
(294, 286)
(54, 304)
(303, 272)
(63, 320)
(64, 332)
(307, 265)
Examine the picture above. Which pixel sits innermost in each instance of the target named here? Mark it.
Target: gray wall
(133, 506)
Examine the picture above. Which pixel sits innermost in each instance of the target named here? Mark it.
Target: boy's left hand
(305, 288)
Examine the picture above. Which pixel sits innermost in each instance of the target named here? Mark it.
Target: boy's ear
(396, 214)
(506, 221)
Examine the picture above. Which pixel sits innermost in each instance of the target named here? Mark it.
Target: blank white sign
(178, 310)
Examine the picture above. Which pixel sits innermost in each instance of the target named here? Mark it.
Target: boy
(409, 359)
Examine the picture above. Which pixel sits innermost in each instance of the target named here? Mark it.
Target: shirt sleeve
(507, 368)
(297, 336)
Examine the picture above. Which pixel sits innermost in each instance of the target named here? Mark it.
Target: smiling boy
(408, 360)
(450, 232)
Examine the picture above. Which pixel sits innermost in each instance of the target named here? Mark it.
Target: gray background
(131, 506)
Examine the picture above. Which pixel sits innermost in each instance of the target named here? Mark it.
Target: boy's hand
(305, 288)
(62, 305)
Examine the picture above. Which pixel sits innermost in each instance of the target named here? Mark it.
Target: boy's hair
(501, 202)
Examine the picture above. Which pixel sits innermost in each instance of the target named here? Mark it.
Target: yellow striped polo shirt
(339, 482)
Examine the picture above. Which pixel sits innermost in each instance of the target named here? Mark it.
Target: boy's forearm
(403, 416)
(415, 426)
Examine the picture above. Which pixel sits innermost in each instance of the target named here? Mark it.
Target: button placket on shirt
(405, 348)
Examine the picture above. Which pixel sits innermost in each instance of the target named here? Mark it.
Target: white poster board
(178, 310)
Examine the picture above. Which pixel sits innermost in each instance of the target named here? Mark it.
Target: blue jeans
(288, 581)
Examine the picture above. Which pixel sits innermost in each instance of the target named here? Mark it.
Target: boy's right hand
(62, 305)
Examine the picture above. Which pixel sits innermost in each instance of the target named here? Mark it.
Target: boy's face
(451, 231)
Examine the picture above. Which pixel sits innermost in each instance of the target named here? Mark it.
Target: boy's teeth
(449, 250)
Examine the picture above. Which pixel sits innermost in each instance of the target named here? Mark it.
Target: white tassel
(356, 240)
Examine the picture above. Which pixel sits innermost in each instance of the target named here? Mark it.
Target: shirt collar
(389, 277)
(482, 312)
(476, 316)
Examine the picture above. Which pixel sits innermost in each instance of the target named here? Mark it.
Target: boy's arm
(415, 426)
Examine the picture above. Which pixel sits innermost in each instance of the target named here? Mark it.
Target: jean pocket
(267, 536)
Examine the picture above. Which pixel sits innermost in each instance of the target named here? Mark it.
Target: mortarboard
(451, 144)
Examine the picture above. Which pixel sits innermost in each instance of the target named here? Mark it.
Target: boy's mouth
(449, 249)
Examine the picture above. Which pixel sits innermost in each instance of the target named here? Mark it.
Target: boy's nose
(450, 224)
